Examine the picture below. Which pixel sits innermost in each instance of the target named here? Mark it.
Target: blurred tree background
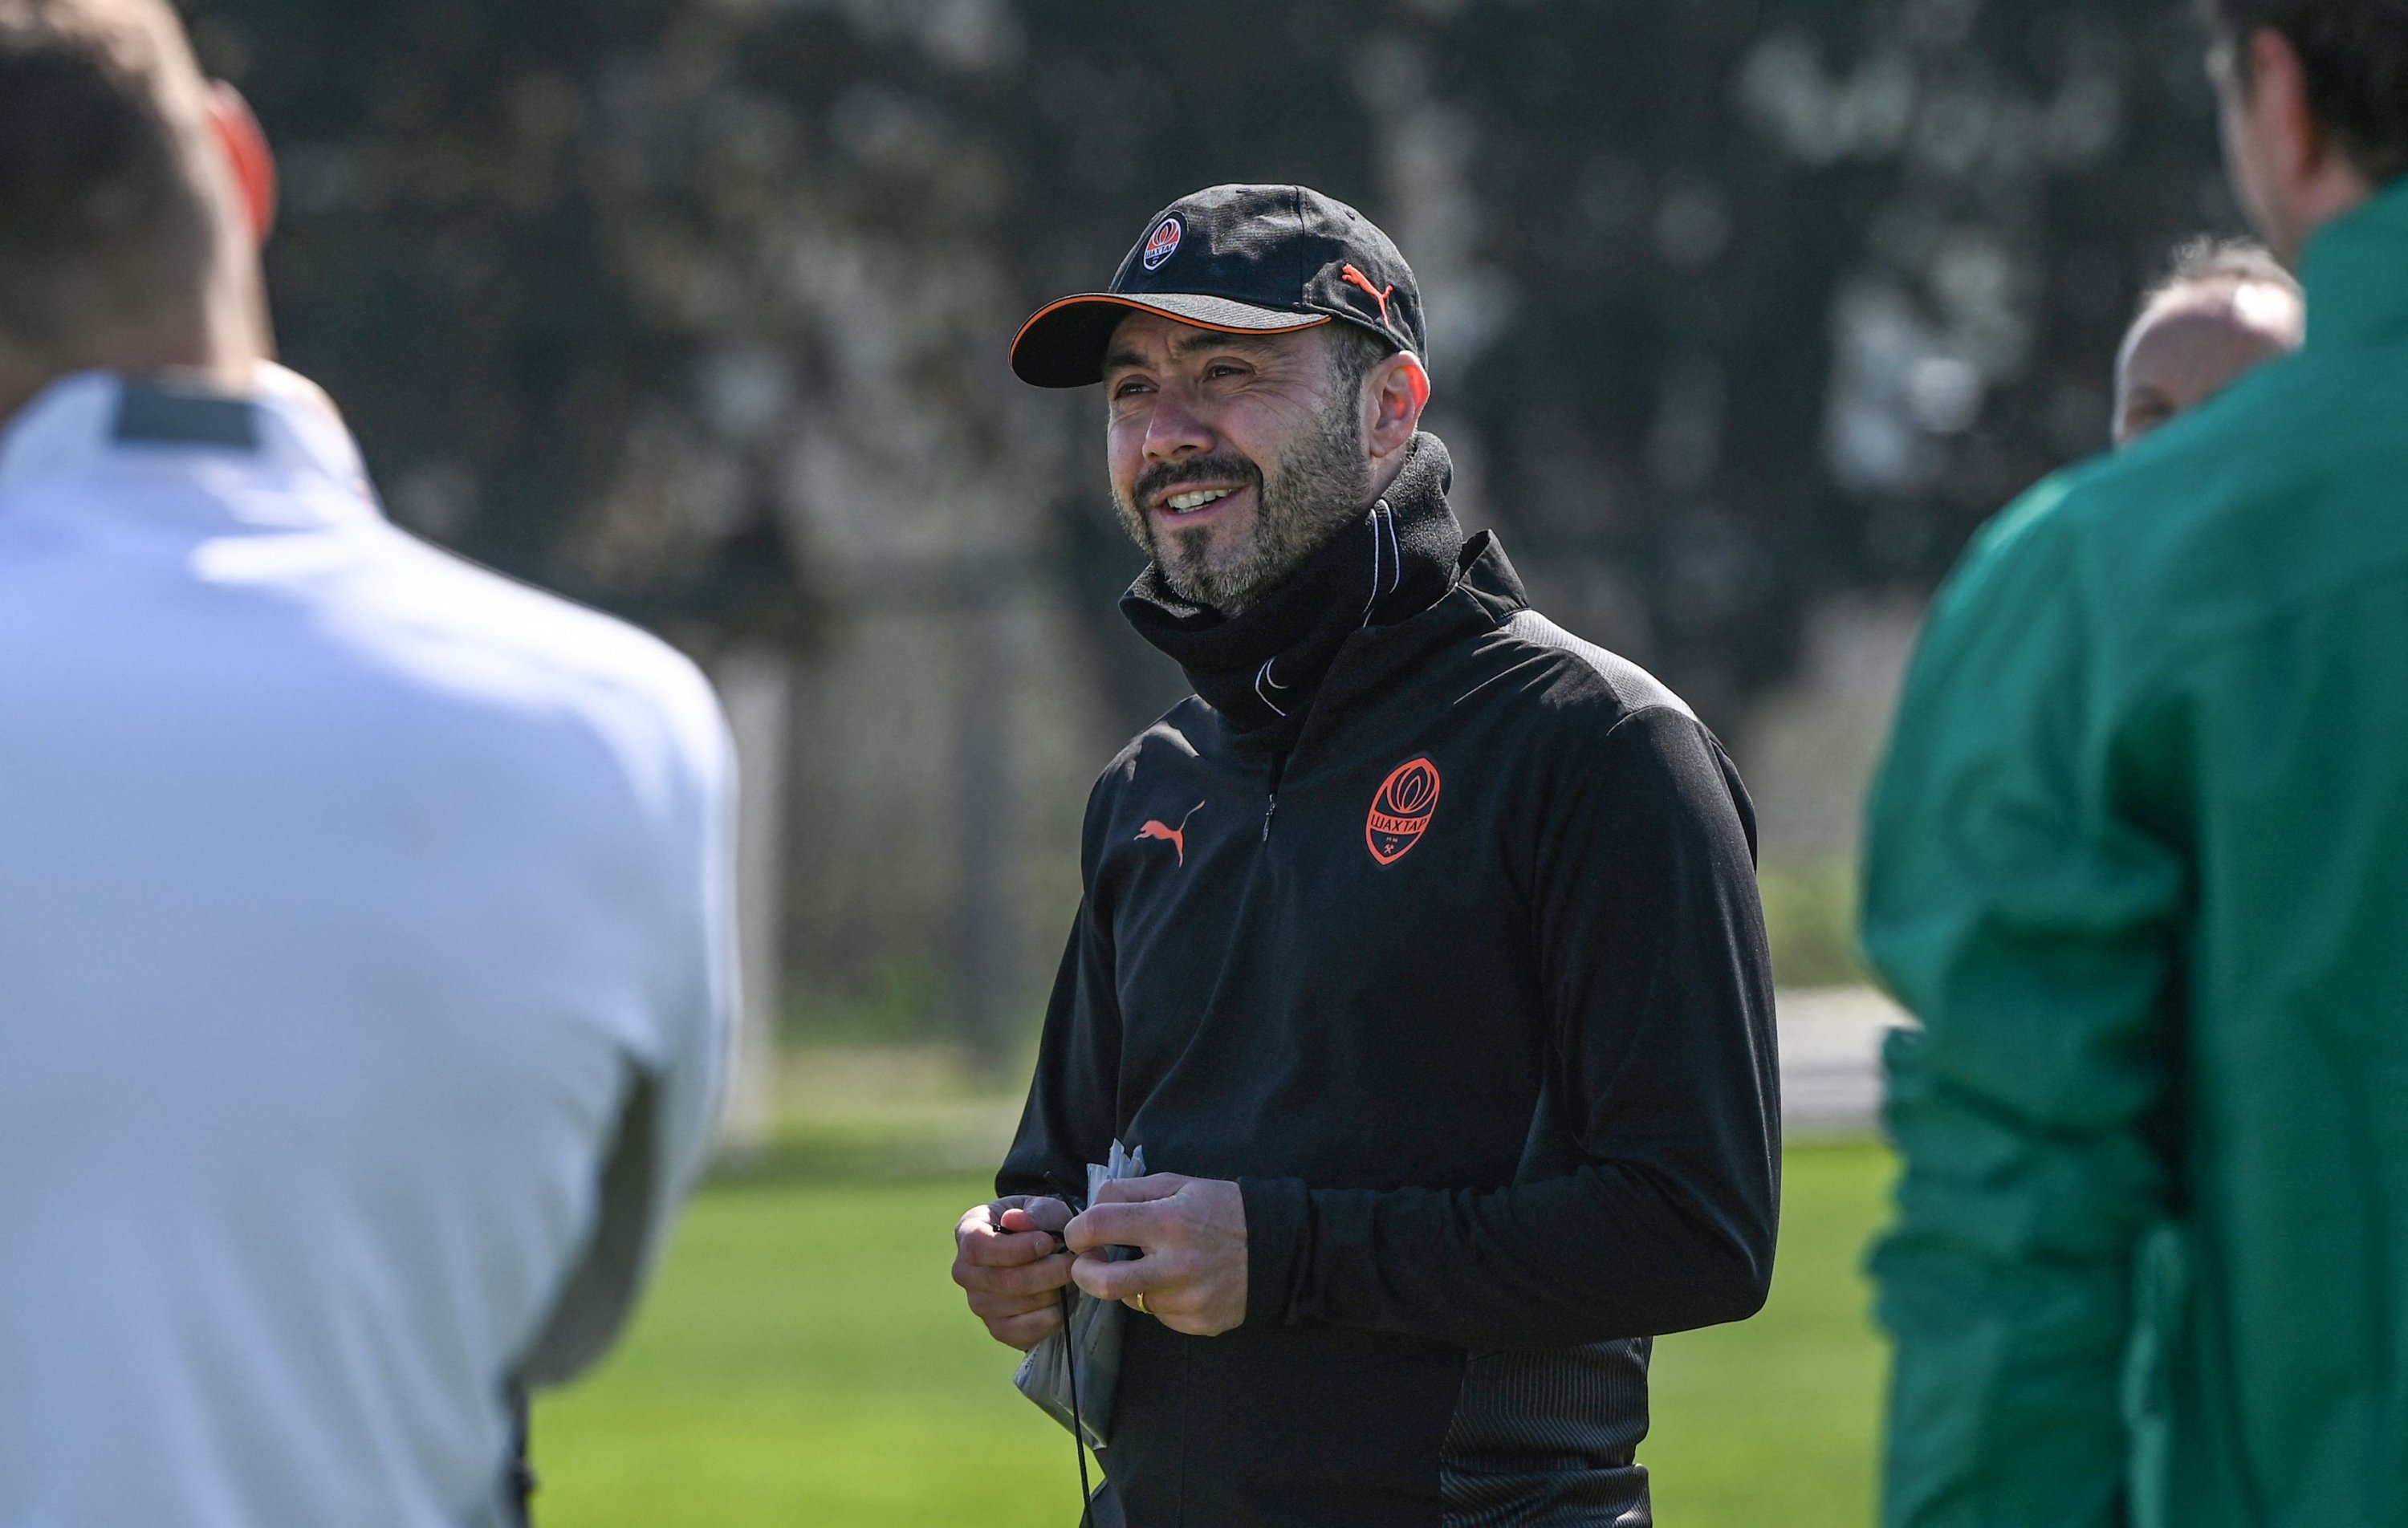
(1743, 313)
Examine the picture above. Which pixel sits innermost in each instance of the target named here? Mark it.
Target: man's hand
(1008, 1256)
(1193, 1234)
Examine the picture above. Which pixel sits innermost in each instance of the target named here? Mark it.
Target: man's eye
(1224, 369)
(1128, 389)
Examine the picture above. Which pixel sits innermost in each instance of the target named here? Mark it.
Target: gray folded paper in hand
(1091, 1339)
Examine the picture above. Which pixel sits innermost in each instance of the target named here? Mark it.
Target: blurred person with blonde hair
(2226, 307)
(364, 950)
(2138, 858)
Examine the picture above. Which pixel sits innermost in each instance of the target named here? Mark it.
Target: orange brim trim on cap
(1314, 321)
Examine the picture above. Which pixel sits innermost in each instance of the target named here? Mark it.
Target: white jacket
(355, 905)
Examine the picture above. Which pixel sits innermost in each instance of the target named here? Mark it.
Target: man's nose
(1175, 429)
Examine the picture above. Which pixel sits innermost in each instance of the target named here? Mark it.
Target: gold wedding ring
(1140, 1307)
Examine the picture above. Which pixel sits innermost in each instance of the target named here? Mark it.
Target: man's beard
(1305, 497)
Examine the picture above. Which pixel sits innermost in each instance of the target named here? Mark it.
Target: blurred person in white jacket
(365, 951)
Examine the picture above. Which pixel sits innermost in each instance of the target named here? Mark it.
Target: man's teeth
(1179, 504)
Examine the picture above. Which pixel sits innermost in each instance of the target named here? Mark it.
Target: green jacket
(2139, 860)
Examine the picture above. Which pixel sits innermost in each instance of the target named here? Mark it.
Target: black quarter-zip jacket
(1464, 982)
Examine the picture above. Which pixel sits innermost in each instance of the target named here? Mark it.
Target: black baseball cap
(1266, 260)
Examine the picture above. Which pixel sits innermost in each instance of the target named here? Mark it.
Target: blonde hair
(2242, 269)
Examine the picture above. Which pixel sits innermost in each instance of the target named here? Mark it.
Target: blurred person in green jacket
(2139, 860)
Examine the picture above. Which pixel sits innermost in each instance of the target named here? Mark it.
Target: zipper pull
(1270, 803)
(1271, 809)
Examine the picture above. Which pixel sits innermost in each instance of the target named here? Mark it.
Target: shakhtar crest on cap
(1162, 243)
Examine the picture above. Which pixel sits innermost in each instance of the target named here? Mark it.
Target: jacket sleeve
(669, 1111)
(1647, 1199)
(1074, 1101)
(2016, 903)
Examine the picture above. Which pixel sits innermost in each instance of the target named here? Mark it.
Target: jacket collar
(283, 427)
(1375, 660)
(2357, 272)
(1262, 669)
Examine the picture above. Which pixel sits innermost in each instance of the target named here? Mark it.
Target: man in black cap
(1420, 951)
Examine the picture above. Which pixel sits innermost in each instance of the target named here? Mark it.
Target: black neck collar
(1261, 667)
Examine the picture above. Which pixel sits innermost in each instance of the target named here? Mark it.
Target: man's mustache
(1164, 475)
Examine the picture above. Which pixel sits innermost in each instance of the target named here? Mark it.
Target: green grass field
(805, 1360)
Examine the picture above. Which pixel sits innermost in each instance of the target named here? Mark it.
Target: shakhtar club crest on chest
(1402, 812)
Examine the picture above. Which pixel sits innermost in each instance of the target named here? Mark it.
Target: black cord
(1078, 1427)
(522, 1475)
(1070, 1365)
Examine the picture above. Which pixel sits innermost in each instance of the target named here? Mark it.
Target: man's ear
(2277, 96)
(1399, 390)
(247, 156)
